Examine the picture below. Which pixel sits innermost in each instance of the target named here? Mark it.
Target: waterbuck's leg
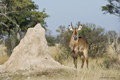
(74, 55)
(82, 57)
(87, 62)
(75, 61)
(86, 56)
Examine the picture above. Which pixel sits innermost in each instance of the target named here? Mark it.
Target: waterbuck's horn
(71, 25)
(78, 23)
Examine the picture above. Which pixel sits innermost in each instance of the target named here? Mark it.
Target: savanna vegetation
(13, 25)
(104, 46)
(99, 43)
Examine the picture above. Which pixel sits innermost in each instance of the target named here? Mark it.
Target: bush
(111, 62)
(51, 40)
(62, 55)
(11, 42)
(97, 39)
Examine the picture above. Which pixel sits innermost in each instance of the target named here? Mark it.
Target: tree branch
(4, 24)
(9, 12)
(9, 19)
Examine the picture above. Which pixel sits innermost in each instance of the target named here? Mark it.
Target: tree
(61, 32)
(111, 36)
(113, 7)
(50, 39)
(20, 15)
(17, 16)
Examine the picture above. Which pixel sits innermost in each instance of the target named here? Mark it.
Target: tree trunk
(18, 35)
(9, 32)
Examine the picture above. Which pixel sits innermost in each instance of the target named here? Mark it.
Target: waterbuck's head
(75, 30)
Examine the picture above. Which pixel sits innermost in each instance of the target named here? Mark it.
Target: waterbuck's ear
(70, 28)
(79, 28)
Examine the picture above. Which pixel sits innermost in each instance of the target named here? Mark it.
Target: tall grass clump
(111, 62)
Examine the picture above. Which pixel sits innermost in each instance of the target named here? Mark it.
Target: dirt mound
(31, 53)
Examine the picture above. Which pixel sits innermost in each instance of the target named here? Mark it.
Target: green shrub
(51, 40)
(11, 42)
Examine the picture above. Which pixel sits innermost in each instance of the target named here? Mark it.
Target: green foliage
(63, 38)
(113, 7)
(51, 40)
(119, 42)
(20, 14)
(8, 45)
(119, 39)
(11, 42)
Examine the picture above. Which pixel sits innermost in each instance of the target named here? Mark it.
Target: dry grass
(64, 74)
(95, 71)
(3, 54)
(3, 59)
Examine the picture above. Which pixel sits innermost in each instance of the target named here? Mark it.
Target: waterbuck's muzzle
(75, 37)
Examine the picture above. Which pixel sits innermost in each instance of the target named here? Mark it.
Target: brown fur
(78, 47)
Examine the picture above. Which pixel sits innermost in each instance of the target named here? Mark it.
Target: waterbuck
(78, 46)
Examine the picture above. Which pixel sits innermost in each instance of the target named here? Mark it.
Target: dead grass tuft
(3, 59)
